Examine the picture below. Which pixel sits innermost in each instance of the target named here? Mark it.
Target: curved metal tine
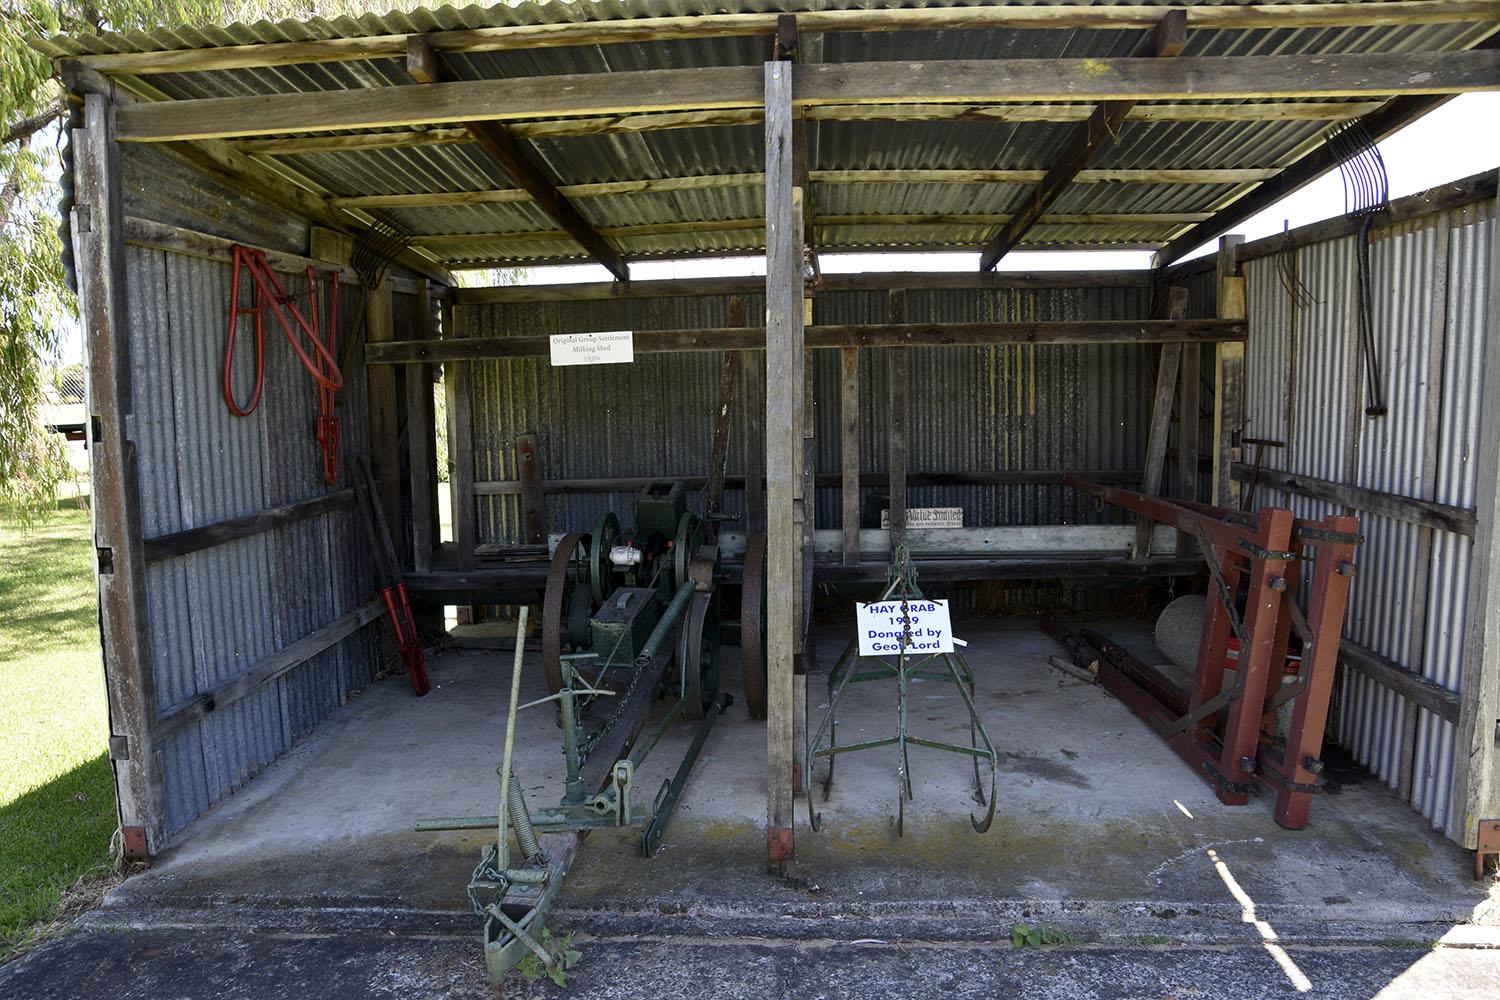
(833, 741)
(980, 826)
(813, 819)
(830, 723)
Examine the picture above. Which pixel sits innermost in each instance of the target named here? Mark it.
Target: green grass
(57, 804)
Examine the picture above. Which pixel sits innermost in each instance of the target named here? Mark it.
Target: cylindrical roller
(1179, 629)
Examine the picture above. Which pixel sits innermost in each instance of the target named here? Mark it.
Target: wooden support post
(1189, 431)
(783, 444)
(124, 620)
(456, 379)
(421, 442)
(805, 661)
(1229, 379)
(385, 418)
(1476, 769)
(896, 367)
(533, 510)
(849, 451)
(1161, 421)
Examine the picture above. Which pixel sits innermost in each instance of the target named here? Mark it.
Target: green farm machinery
(630, 618)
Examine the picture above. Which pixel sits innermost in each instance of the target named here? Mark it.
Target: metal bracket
(1487, 843)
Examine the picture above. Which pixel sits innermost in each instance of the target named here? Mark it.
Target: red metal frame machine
(1225, 725)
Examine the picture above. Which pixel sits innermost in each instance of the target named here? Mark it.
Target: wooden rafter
(438, 242)
(657, 185)
(631, 124)
(1167, 40)
(426, 67)
(874, 83)
(636, 30)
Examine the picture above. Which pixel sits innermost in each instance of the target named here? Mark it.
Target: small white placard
(614, 347)
(927, 517)
(882, 625)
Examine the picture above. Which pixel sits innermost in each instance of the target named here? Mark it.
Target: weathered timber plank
(836, 336)
(267, 670)
(954, 81)
(1443, 517)
(783, 444)
(606, 31)
(180, 543)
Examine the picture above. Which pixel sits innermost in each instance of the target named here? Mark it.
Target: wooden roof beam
(981, 114)
(1167, 40)
(425, 66)
(1127, 17)
(981, 81)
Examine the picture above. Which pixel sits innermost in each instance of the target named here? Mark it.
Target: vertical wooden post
(385, 418)
(849, 451)
(460, 447)
(421, 442)
(896, 366)
(1189, 428)
(124, 632)
(1476, 768)
(783, 444)
(533, 510)
(1229, 378)
(1169, 360)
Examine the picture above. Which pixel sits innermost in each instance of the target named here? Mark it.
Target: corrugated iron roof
(861, 215)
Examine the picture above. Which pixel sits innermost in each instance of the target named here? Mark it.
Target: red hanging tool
(268, 295)
(388, 579)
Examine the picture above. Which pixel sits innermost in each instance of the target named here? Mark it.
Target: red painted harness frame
(1227, 734)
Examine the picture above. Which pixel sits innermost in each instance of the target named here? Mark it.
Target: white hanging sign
(614, 347)
(883, 625)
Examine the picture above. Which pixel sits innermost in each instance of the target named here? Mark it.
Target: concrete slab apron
(312, 877)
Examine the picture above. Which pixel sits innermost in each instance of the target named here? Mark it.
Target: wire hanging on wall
(1366, 196)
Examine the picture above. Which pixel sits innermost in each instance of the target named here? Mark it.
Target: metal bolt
(1345, 569)
(1247, 763)
(1312, 765)
(1278, 583)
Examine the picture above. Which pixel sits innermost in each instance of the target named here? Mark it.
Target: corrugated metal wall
(217, 612)
(1430, 286)
(971, 408)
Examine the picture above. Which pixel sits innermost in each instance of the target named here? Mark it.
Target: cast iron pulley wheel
(698, 654)
(561, 587)
(685, 547)
(606, 532)
(753, 625)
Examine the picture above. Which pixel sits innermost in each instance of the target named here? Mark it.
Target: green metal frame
(852, 668)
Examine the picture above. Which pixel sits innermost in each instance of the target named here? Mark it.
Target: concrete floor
(311, 882)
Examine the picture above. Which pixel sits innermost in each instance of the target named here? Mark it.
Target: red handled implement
(388, 579)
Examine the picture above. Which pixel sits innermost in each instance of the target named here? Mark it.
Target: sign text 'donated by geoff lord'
(616, 347)
(883, 624)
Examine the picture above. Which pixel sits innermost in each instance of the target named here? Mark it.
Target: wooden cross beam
(1167, 40)
(425, 66)
(975, 81)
